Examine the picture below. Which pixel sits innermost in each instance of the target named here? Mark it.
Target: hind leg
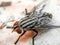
(34, 36)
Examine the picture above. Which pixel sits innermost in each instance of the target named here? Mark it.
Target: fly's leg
(19, 37)
(34, 36)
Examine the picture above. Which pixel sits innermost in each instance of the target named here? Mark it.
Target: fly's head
(16, 28)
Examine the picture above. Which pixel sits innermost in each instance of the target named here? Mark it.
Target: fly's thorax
(28, 23)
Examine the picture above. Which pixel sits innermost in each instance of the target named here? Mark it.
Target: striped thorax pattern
(33, 22)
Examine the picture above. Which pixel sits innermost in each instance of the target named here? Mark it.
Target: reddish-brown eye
(16, 23)
(18, 30)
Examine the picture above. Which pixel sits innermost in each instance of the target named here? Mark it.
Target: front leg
(19, 37)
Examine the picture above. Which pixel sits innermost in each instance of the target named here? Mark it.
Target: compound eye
(16, 23)
(18, 30)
